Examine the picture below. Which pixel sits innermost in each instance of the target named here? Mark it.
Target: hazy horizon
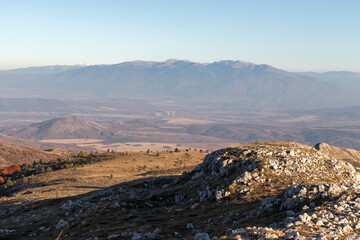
(294, 36)
(140, 60)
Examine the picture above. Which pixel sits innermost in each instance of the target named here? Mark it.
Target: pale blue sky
(302, 35)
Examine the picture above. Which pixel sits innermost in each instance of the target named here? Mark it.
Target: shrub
(9, 183)
(10, 170)
(24, 179)
(82, 154)
(2, 180)
(177, 150)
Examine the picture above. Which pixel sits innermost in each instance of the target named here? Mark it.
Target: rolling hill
(162, 131)
(11, 154)
(61, 128)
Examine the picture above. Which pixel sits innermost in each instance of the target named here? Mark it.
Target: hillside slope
(349, 155)
(11, 154)
(259, 190)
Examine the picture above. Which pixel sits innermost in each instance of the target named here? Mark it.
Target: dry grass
(96, 144)
(305, 118)
(71, 141)
(184, 121)
(135, 165)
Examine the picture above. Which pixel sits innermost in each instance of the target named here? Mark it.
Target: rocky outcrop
(313, 212)
(349, 155)
(254, 171)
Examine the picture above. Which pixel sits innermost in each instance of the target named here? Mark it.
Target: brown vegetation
(10, 170)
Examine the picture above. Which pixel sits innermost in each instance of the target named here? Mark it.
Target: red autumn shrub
(10, 170)
(2, 180)
(4, 171)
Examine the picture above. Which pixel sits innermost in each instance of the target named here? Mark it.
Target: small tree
(9, 183)
(24, 179)
(82, 154)
(177, 150)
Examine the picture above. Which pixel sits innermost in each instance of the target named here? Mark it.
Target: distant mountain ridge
(44, 69)
(344, 79)
(245, 83)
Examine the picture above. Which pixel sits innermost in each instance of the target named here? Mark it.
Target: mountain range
(243, 83)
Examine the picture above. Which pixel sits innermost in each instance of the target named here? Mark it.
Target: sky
(302, 35)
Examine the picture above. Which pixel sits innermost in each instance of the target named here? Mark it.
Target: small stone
(190, 226)
(113, 236)
(201, 236)
(61, 224)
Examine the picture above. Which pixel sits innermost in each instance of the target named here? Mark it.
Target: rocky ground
(265, 190)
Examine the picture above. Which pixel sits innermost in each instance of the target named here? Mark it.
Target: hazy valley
(165, 150)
